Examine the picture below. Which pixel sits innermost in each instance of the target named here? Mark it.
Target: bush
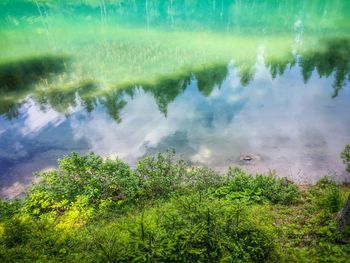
(332, 199)
(259, 188)
(327, 195)
(186, 229)
(160, 175)
(186, 215)
(345, 155)
(9, 208)
(16, 232)
(202, 178)
(89, 176)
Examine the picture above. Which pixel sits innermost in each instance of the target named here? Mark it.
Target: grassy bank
(97, 210)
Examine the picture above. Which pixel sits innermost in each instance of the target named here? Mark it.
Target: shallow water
(215, 80)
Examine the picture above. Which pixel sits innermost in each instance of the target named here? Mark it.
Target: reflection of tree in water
(164, 91)
(277, 67)
(332, 58)
(18, 77)
(9, 109)
(208, 78)
(88, 101)
(57, 99)
(61, 100)
(113, 102)
(167, 90)
(246, 74)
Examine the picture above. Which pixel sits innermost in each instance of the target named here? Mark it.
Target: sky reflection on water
(296, 128)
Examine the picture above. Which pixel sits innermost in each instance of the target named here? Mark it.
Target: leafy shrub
(327, 252)
(205, 217)
(9, 208)
(160, 175)
(186, 229)
(16, 232)
(327, 195)
(324, 182)
(28, 240)
(202, 178)
(345, 155)
(332, 199)
(257, 188)
(89, 176)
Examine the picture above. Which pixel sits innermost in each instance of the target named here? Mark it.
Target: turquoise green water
(213, 79)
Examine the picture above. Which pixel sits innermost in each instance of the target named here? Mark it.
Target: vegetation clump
(92, 209)
(346, 157)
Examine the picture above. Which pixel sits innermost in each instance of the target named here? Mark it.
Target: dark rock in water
(249, 157)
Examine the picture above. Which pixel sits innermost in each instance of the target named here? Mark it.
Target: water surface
(215, 80)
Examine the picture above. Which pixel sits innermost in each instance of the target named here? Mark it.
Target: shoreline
(18, 189)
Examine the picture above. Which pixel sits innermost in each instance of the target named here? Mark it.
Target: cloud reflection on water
(294, 126)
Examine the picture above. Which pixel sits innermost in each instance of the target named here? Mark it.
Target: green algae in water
(118, 43)
(18, 78)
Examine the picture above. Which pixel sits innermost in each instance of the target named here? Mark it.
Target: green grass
(96, 210)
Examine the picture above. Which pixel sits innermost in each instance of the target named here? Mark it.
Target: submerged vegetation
(19, 75)
(155, 45)
(50, 83)
(100, 210)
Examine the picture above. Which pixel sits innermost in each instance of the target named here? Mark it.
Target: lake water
(263, 85)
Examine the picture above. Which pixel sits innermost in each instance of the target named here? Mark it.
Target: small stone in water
(247, 158)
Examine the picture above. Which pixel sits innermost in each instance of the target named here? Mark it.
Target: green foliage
(260, 188)
(327, 252)
(345, 155)
(327, 195)
(96, 210)
(202, 178)
(8, 208)
(331, 199)
(160, 175)
(16, 232)
(186, 229)
(88, 177)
